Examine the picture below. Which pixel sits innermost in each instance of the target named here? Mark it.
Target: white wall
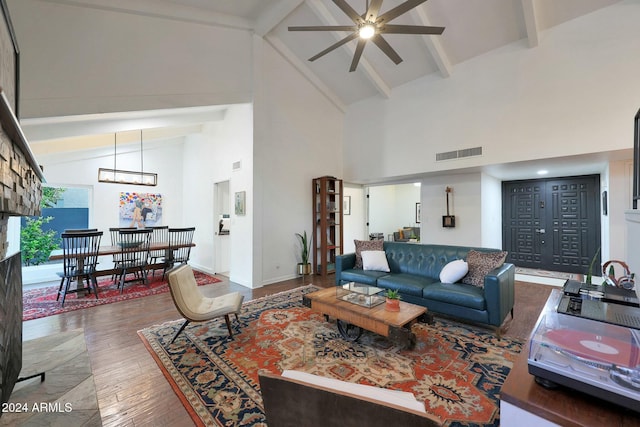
(619, 193)
(298, 136)
(355, 224)
(128, 61)
(464, 203)
(575, 93)
(491, 211)
(207, 159)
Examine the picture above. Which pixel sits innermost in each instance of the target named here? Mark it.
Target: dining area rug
(457, 370)
(41, 302)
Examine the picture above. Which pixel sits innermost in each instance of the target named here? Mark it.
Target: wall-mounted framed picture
(346, 205)
(605, 203)
(418, 213)
(241, 203)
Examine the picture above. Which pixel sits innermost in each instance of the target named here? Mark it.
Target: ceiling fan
(371, 26)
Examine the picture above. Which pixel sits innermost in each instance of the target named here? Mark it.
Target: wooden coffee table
(352, 318)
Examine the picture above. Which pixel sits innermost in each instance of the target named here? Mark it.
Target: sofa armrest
(499, 292)
(344, 262)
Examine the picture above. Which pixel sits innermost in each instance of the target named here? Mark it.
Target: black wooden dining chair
(80, 256)
(180, 240)
(114, 233)
(160, 234)
(133, 256)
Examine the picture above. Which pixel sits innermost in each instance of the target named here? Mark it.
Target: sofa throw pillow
(375, 260)
(454, 271)
(480, 264)
(366, 245)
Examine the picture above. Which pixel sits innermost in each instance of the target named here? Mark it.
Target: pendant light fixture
(117, 176)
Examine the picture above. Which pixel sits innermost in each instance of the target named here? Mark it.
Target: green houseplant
(590, 271)
(36, 244)
(393, 300)
(304, 267)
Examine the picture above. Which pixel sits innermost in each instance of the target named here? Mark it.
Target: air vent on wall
(457, 154)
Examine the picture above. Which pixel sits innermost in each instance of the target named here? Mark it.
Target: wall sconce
(118, 176)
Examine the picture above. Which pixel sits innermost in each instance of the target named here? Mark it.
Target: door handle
(540, 230)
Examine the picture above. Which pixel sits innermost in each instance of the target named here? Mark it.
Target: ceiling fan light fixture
(371, 25)
(367, 30)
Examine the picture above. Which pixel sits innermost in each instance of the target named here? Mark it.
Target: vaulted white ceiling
(472, 28)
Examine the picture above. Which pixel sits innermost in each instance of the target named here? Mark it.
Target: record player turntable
(597, 358)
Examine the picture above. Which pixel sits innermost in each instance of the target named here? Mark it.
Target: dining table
(110, 250)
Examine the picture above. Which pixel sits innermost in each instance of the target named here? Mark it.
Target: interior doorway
(222, 228)
(552, 224)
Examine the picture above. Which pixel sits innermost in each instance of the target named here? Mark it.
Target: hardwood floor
(131, 389)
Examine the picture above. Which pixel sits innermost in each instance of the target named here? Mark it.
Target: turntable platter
(598, 348)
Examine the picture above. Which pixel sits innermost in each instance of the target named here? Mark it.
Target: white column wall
(298, 136)
(208, 158)
(491, 211)
(354, 224)
(619, 195)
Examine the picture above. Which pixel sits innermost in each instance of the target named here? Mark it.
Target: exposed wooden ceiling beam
(275, 15)
(529, 10)
(434, 45)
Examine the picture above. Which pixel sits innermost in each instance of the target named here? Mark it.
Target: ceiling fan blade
(349, 11)
(358, 54)
(374, 9)
(325, 28)
(410, 29)
(334, 46)
(344, 6)
(399, 10)
(386, 48)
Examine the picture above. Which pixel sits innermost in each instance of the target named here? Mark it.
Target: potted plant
(304, 267)
(590, 271)
(393, 300)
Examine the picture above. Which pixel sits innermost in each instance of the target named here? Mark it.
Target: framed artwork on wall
(241, 202)
(139, 210)
(346, 205)
(418, 213)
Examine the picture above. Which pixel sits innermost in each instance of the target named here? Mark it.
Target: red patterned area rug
(42, 302)
(456, 370)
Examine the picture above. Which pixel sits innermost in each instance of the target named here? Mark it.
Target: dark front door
(552, 224)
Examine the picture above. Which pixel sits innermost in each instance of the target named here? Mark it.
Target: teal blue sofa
(415, 273)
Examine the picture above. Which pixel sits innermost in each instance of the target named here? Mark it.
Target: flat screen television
(636, 160)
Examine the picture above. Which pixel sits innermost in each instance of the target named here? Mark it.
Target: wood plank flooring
(131, 389)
